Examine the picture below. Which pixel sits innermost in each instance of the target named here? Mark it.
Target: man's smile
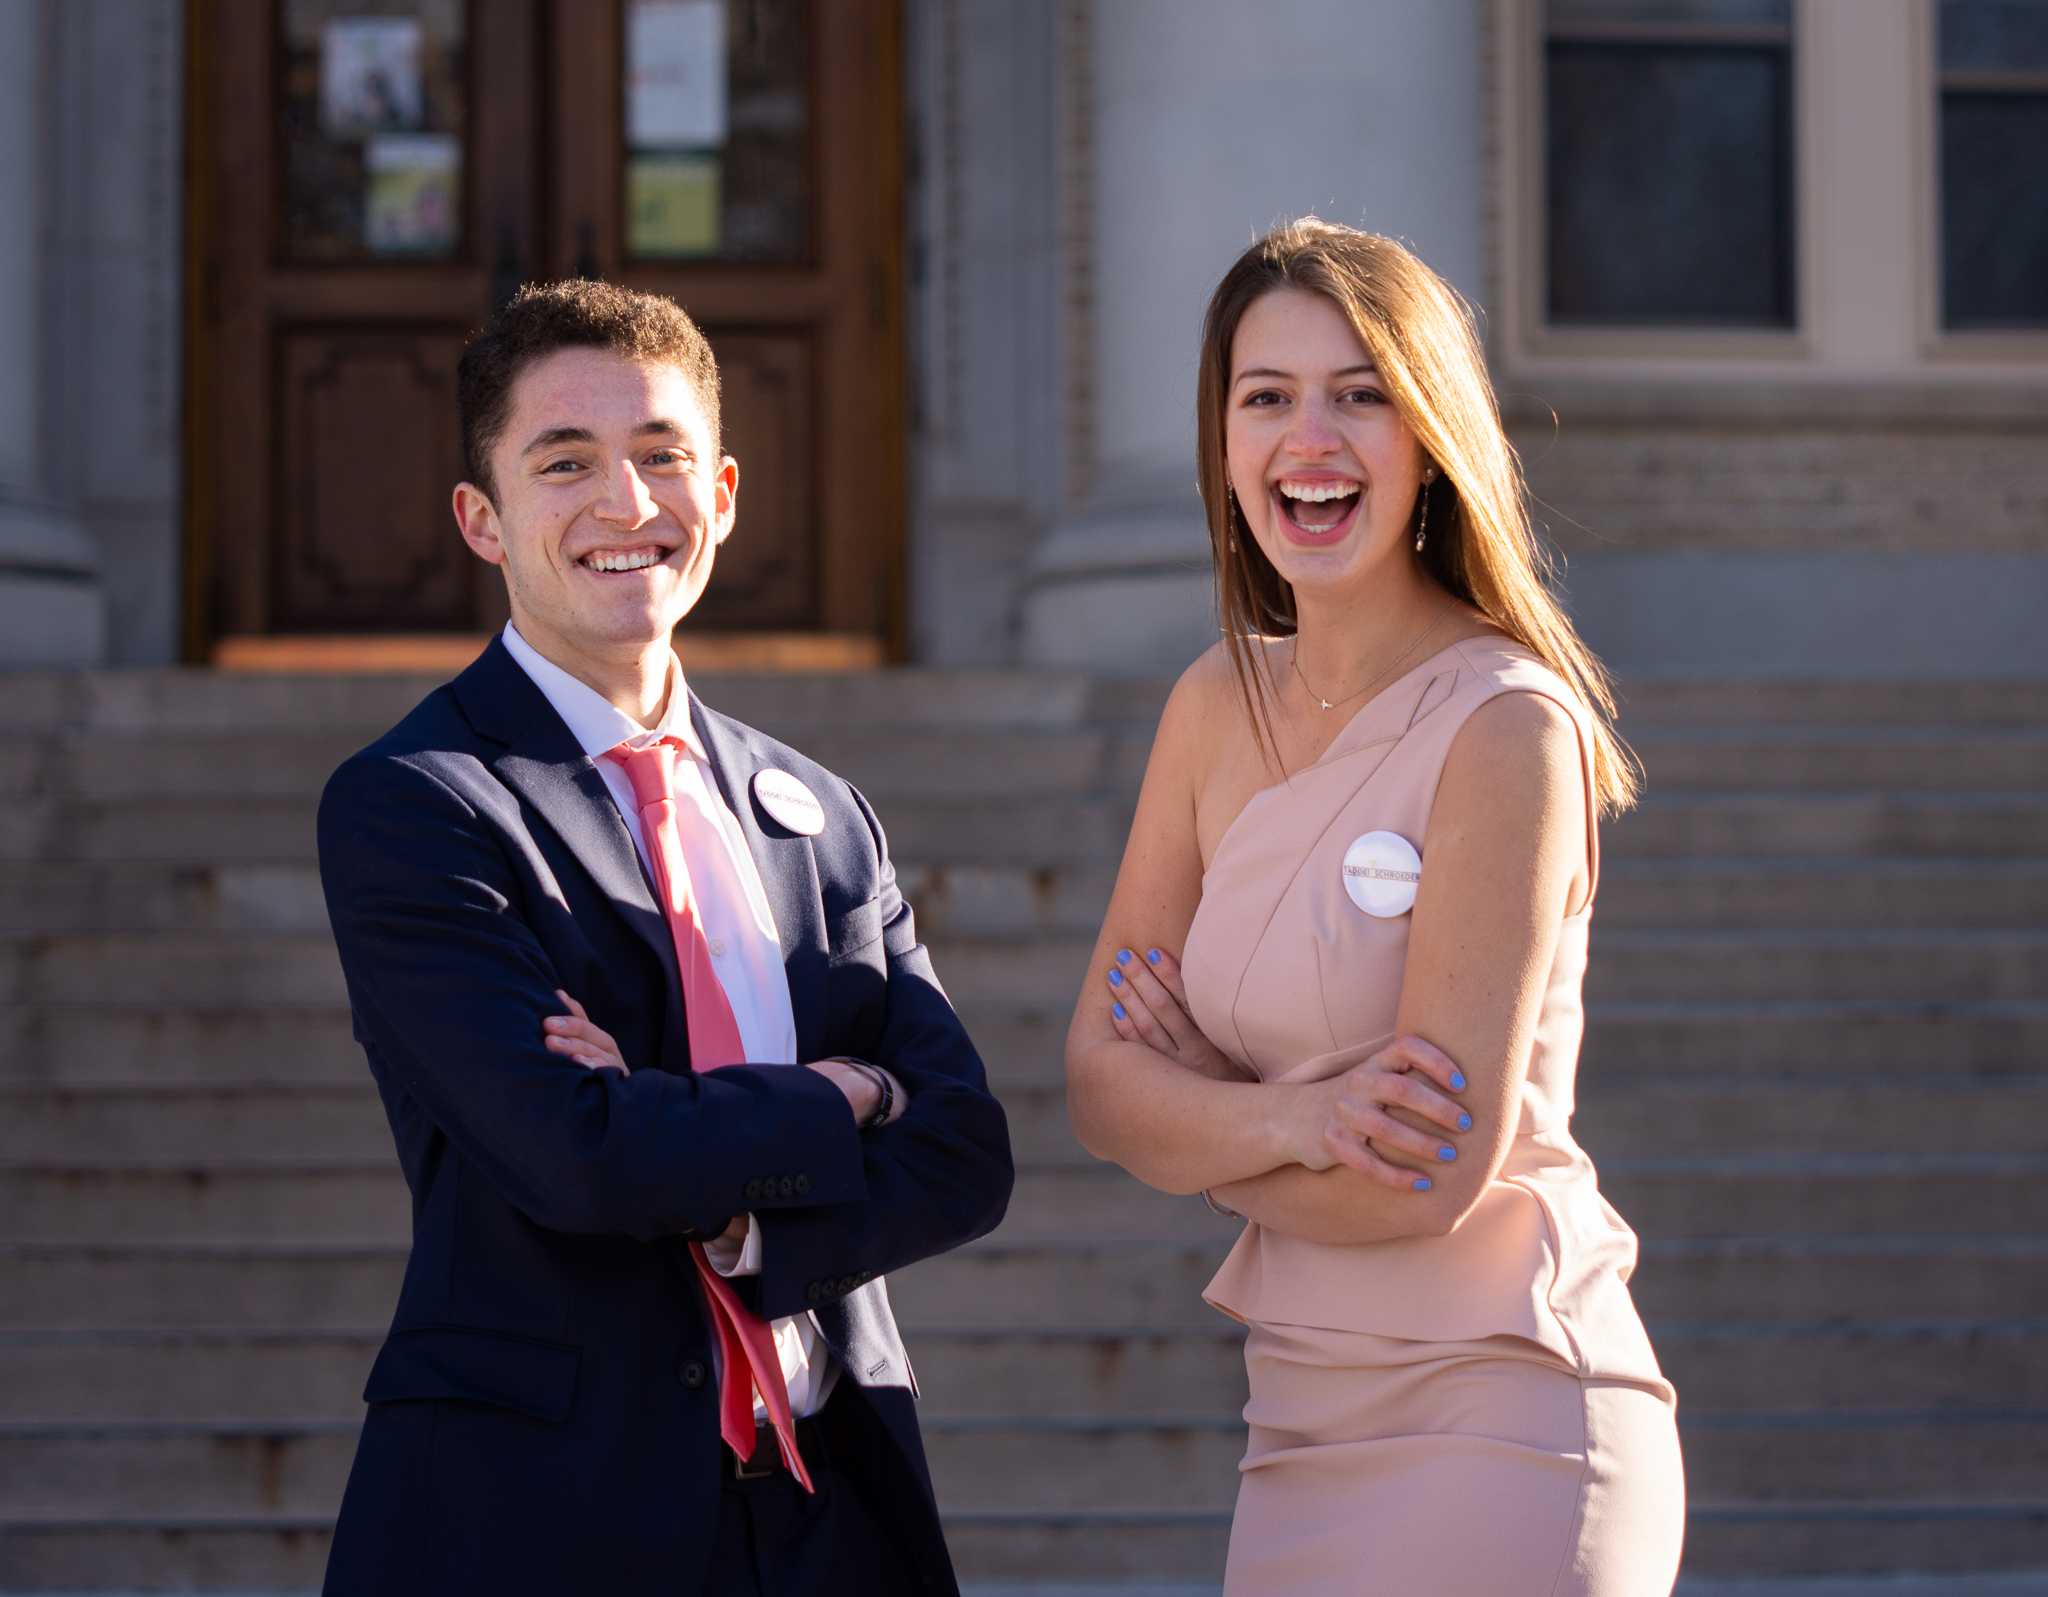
(613, 562)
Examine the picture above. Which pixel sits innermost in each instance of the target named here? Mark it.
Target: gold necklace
(1294, 658)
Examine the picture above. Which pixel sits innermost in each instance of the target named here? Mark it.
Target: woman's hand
(1346, 1119)
(1150, 1006)
(575, 1035)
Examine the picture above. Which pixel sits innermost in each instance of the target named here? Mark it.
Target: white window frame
(1941, 345)
(1522, 206)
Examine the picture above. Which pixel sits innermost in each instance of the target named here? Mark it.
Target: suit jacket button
(815, 1291)
(786, 1186)
(751, 1191)
(691, 1373)
(803, 1185)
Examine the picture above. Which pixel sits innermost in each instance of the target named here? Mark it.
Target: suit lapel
(786, 863)
(541, 763)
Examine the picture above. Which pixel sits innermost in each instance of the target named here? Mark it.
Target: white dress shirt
(740, 927)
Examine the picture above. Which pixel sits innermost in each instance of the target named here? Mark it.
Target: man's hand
(863, 1093)
(581, 1039)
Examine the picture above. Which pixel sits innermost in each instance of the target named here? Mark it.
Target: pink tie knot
(651, 769)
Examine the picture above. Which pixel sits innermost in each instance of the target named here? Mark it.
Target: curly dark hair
(574, 314)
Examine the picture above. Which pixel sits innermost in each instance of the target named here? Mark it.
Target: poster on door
(370, 80)
(675, 74)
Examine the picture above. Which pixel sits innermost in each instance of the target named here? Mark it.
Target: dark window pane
(1741, 13)
(718, 130)
(1994, 36)
(371, 108)
(1994, 224)
(1669, 185)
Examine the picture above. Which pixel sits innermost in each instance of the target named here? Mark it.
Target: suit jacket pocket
(858, 928)
(476, 1366)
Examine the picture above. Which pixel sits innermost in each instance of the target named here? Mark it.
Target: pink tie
(744, 1341)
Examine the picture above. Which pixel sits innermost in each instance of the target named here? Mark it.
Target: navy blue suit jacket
(542, 1417)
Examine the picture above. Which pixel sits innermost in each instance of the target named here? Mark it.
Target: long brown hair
(1481, 548)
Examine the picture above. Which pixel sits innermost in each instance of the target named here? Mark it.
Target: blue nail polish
(1464, 1122)
(1447, 1153)
(1123, 956)
(1116, 978)
(1422, 1183)
(1151, 956)
(1457, 1081)
(1118, 1011)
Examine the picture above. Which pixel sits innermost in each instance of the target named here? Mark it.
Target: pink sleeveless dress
(1479, 1413)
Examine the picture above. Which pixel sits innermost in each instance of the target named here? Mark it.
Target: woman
(1369, 820)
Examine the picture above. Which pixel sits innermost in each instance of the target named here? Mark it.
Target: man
(590, 930)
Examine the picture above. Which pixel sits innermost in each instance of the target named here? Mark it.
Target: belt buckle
(743, 1468)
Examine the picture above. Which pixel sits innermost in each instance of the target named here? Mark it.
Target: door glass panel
(718, 130)
(371, 111)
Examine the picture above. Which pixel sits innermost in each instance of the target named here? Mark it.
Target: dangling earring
(1422, 526)
(1231, 539)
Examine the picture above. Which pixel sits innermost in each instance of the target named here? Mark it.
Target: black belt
(767, 1461)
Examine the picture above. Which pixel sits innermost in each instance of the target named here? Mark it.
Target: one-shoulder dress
(1471, 1415)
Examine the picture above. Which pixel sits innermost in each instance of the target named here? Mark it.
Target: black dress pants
(777, 1540)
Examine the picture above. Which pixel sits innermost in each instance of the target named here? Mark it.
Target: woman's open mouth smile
(1316, 511)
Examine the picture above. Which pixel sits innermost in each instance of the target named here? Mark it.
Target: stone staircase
(1816, 1082)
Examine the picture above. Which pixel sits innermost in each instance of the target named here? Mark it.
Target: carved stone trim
(1076, 54)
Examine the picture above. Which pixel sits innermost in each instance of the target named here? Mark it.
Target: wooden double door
(373, 176)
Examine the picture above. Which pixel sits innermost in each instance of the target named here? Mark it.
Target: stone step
(1878, 1538)
(151, 702)
(1695, 823)
(886, 761)
(197, 700)
(891, 760)
(227, 1469)
(1840, 755)
(1629, 1116)
(1635, 964)
(1020, 1553)
(89, 1377)
(1655, 703)
(1065, 830)
(365, 1201)
(1648, 701)
(193, 1376)
(179, 1041)
(1010, 901)
(1000, 1284)
(299, 969)
(1831, 1196)
(1998, 1583)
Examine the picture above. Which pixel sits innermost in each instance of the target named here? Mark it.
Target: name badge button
(789, 802)
(1381, 873)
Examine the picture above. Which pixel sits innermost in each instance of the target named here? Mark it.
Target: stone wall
(1886, 531)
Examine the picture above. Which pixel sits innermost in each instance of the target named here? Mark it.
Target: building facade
(1764, 284)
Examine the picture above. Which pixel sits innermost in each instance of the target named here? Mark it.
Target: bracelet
(879, 1116)
(1217, 1208)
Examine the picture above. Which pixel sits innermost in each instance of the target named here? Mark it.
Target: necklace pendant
(1325, 703)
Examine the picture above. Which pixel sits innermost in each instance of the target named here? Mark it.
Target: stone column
(51, 611)
(1212, 119)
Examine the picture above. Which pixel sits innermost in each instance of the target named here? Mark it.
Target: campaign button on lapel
(1381, 871)
(788, 801)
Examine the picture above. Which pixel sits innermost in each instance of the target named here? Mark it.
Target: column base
(1121, 589)
(52, 602)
